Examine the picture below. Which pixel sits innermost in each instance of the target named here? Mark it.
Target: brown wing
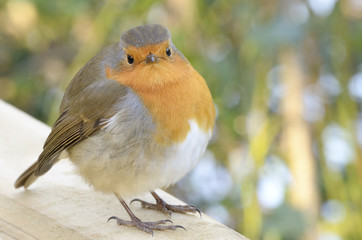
(67, 131)
(84, 116)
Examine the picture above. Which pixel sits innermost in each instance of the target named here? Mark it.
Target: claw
(136, 200)
(197, 210)
(113, 217)
(179, 226)
(168, 220)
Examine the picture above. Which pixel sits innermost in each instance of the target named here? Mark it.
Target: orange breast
(174, 92)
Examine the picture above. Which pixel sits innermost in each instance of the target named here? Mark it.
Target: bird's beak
(151, 58)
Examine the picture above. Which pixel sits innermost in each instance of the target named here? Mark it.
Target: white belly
(184, 156)
(132, 172)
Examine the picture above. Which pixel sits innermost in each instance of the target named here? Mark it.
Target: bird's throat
(174, 96)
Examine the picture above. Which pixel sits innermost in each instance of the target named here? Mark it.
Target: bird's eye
(130, 59)
(168, 51)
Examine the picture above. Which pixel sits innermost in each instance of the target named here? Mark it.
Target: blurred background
(286, 77)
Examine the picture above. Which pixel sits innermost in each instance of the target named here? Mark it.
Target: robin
(136, 117)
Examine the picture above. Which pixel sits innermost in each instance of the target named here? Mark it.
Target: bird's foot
(147, 226)
(161, 205)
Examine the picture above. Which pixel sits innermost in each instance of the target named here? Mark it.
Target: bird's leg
(165, 207)
(144, 226)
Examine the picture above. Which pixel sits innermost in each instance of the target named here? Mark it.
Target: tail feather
(27, 178)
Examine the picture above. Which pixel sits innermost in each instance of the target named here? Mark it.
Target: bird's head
(150, 60)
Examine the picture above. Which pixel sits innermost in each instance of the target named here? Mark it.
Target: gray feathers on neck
(145, 35)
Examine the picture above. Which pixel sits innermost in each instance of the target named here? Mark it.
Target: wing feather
(83, 115)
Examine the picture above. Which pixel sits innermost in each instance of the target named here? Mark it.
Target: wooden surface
(59, 205)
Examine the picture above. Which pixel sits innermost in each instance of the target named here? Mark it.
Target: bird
(136, 117)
